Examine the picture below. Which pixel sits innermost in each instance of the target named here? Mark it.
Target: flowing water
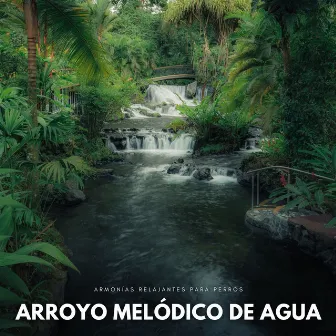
(146, 228)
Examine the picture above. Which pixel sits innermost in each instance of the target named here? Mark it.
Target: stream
(143, 228)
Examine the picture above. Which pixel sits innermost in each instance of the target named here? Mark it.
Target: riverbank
(143, 220)
(305, 229)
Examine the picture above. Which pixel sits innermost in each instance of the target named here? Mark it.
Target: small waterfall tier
(146, 139)
(162, 100)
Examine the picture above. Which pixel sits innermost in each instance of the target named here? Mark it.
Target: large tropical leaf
(6, 227)
(47, 249)
(12, 280)
(9, 259)
(331, 223)
(68, 24)
(9, 201)
(333, 159)
(9, 324)
(56, 127)
(8, 297)
(60, 170)
(6, 171)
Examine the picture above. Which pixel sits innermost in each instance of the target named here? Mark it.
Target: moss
(212, 149)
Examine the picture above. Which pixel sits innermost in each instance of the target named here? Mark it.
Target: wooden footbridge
(169, 72)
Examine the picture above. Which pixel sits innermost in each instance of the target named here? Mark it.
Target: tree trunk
(30, 14)
(285, 48)
(286, 53)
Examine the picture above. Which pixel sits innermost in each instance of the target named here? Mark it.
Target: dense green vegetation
(270, 64)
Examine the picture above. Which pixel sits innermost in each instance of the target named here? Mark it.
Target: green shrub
(318, 194)
(275, 146)
(177, 124)
(212, 149)
(215, 127)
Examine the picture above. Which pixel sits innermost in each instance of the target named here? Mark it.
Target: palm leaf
(72, 35)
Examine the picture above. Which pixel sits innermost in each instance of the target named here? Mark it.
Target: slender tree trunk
(30, 13)
(45, 38)
(285, 47)
(286, 53)
(43, 102)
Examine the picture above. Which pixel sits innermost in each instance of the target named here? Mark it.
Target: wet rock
(74, 197)
(203, 174)
(255, 132)
(174, 169)
(149, 114)
(180, 160)
(119, 141)
(230, 173)
(294, 227)
(127, 115)
(129, 112)
(104, 172)
(191, 90)
(187, 169)
(244, 179)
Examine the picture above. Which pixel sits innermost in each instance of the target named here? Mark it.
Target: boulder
(191, 90)
(104, 172)
(244, 179)
(180, 160)
(203, 174)
(129, 111)
(305, 229)
(174, 169)
(149, 114)
(74, 197)
(255, 132)
(187, 169)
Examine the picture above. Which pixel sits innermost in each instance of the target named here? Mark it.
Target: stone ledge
(304, 228)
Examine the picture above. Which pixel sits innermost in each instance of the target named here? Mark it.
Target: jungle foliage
(268, 63)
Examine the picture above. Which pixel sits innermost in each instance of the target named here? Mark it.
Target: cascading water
(110, 145)
(162, 100)
(160, 104)
(148, 140)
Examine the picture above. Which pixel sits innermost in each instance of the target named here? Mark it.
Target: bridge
(171, 72)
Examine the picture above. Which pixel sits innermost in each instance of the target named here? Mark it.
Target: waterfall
(110, 145)
(160, 101)
(166, 94)
(149, 140)
(163, 99)
(199, 93)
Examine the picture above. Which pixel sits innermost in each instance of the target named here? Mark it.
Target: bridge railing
(67, 96)
(173, 70)
(256, 173)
